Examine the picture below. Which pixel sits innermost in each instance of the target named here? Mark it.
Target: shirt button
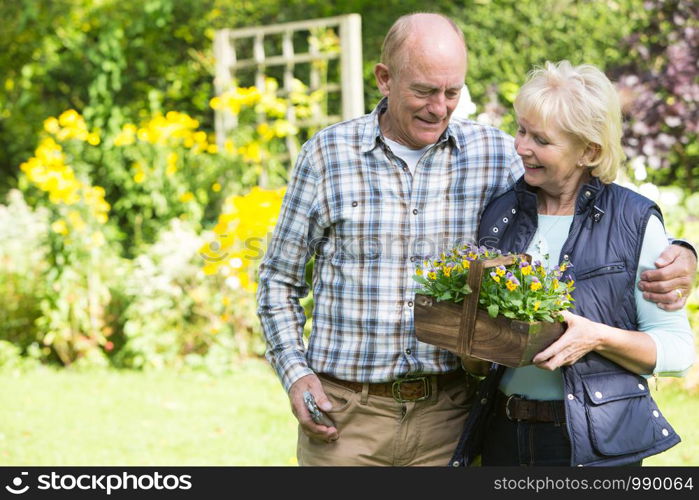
(514, 211)
(598, 395)
(565, 257)
(455, 463)
(415, 211)
(656, 413)
(495, 229)
(408, 352)
(640, 386)
(571, 397)
(405, 169)
(587, 194)
(410, 303)
(484, 401)
(505, 220)
(354, 203)
(666, 432)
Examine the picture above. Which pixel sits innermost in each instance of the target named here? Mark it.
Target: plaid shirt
(368, 221)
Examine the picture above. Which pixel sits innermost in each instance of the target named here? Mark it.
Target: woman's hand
(581, 337)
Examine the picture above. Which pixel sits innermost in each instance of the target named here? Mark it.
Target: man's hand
(310, 428)
(670, 284)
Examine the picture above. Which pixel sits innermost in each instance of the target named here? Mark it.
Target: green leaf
(493, 310)
(421, 280)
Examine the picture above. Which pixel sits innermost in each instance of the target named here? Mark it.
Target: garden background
(129, 238)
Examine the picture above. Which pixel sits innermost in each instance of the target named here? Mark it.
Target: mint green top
(669, 330)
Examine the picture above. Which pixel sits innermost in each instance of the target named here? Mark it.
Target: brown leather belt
(529, 410)
(408, 389)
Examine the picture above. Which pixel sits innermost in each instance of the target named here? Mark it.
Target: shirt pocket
(619, 413)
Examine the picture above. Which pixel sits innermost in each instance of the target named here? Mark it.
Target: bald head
(424, 34)
(421, 75)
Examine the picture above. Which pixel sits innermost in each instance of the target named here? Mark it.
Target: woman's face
(551, 157)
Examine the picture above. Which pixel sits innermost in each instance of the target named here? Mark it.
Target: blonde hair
(391, 54)
(582, 102)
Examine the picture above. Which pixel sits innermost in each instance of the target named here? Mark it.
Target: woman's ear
(591, 154)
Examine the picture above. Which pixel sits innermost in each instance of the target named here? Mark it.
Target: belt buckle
(395, 389)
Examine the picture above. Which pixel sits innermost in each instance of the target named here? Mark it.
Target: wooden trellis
(350, 86)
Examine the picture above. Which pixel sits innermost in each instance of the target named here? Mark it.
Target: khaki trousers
(379, 431)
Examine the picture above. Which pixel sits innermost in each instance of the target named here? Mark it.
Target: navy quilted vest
(612, 418)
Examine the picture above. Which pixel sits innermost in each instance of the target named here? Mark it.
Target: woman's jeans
(523, 443)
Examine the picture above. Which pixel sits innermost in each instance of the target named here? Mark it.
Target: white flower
(466, 106)
(233, 282)
(649, 190)
(639, 168)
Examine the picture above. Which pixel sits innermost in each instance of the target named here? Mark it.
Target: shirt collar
(371, 134)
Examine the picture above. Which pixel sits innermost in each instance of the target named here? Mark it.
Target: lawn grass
(681, 408)
(50, 417)
(63, 417)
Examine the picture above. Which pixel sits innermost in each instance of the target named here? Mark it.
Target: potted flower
(479, 303)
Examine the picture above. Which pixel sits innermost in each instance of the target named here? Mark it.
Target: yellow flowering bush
(167, 167)
(74, 295)
(524, 290)
(241, 236)
(266, 119)
(80, 209)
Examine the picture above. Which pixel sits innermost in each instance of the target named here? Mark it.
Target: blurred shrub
(660, 89)
(125, 283)
(23, 253)
(73, 291)
(163, 168)
(507, 38)
(177, 317)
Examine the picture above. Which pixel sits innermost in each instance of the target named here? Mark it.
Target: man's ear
(383, 78)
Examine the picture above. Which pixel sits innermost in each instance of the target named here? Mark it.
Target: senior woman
(585, 400)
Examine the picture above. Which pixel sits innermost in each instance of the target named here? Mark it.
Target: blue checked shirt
(368, 221)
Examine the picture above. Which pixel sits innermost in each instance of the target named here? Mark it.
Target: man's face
(421, 97)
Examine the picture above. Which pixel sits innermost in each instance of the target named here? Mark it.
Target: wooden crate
(468, 331)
